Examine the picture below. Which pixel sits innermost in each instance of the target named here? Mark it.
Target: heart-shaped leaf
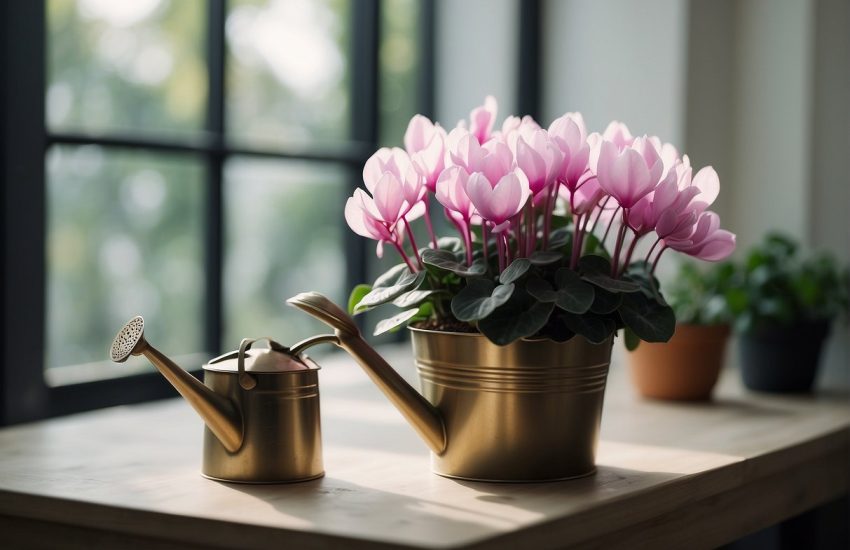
(605, 302)
(521, 317)
(570, 293)
(444, 260)
(390, 276)
(414, 297)
(597, 270)
(383, 294)
(557, 330)
(517, 269)
(649, 320)
(595, 329)
(545, 257)
(395, 322)
(479, 299)
(357, 294)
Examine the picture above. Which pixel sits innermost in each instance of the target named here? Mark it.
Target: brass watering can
(260, 407)
(528, 411)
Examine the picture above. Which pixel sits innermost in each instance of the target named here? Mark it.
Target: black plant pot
(783, 359)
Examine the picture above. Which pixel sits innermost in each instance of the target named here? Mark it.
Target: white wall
(476, 56)
(617, 59)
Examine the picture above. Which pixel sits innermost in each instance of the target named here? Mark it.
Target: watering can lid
(264, 360)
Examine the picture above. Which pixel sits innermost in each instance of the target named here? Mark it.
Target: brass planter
(529, 411)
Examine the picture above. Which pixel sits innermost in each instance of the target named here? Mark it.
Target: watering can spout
(419, 413)
(219, 413)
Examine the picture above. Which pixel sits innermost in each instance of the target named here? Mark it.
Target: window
(177, 168)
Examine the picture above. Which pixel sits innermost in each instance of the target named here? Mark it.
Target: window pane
(284, 236)
(125, 238)
(126, 65)
(287, 71)
(400, 61)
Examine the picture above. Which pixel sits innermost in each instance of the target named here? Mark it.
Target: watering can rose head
(548, 223)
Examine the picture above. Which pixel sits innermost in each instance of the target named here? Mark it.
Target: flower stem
(574, 255)
(530, 227)
(631, 251)
(468, 240)
(613, 219)
(413, 242)
(428, 223)
(621, 235)
(652, 249)
(485, 237)
(599, 214)
(500, 244)
(404, 257)
(658, 257)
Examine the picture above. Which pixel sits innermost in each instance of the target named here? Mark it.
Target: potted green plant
(688, 365)
(513, 319)
(783, 308)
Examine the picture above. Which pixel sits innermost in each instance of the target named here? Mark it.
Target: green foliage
(698, 296)
(772, 286)
(535, 297)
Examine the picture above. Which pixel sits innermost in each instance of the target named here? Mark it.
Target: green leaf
(452, 244)
(357, 294)
(597, 270)
(545, 257)
(631, 339)
(650, 321)
(570, 293)
(595, 329)
(395, 322)
(605, 302)
(517, 269)
(522, 316)
(415, 297)
(560, 238)
(389, 277)
(479, 299)
(444, 260)
(383, 294)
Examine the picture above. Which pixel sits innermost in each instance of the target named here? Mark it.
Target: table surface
(697, 474)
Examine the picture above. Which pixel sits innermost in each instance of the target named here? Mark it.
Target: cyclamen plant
(534, 209)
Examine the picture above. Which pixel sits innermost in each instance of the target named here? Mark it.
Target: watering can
(260, 407)
(529, 411)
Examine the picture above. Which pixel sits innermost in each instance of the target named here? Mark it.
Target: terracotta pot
(684, 369)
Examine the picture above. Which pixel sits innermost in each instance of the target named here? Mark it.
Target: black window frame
(24, 393)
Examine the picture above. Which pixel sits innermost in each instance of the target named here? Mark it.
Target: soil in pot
(684, 369)
(782, 359)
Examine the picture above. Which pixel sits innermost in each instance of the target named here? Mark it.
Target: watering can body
(281, 437)
(526, 412)
(260, 407)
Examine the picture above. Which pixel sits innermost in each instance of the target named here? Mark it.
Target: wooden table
(669, 475)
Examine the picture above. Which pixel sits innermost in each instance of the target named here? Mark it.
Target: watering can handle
(246, 381)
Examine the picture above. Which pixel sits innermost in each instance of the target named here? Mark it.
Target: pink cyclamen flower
(498, 204)
(425, 143)
(707, 241)
(618, 134)
(540, 158)
(570, 134)
(364, 218)
(406, 177)
(483, 118)
(451, 193)
(630, 174)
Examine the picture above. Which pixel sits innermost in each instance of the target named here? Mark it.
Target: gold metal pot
(529, 411)
(260, 407)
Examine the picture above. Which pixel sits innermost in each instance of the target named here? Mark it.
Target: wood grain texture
(695, 475)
